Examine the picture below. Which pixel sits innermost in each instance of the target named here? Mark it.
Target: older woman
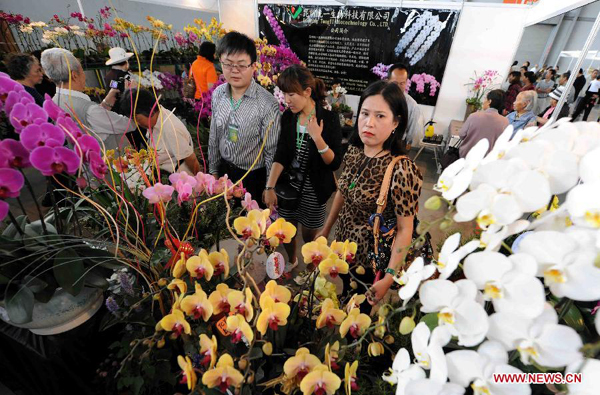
(523, 115)
(68, 75)
(26, 70)
(546, 114)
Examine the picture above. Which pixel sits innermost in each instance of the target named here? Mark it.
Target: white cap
(117, 55)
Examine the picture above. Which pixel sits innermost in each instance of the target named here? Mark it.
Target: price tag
(222, 326)
(275, 265)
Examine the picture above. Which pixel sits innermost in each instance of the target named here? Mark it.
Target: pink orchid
(184, 191)
(23, 115)
(13, 154)
(6, 87)
(54, 160)
(205, 183)
(86, 145)
(11, 182)
(52, 109)
(184, 178)
(158, 193)
(15, 97)
(248, 203)
(67, 125)
(98, 166)
(46, 134)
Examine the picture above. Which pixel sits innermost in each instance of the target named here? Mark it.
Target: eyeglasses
(237, 67)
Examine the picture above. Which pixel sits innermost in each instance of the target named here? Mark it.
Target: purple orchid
(23, 115)
(6, 87)
(13, 154)
(4, 208)
(67, 125)
(11, 182)
(16, 97)
(54, 160)
(48, 135)
(86, 145)
(97, 165)
(52, 109)
(158, 193)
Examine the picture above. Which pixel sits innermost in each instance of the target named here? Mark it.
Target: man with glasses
(244, 114)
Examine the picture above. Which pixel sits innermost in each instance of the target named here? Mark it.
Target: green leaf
(68, 270)
(11, 230)
(431, 320)
(35, 284)
(137, 383)
(574, 319)
(19, 306)
(96, 280)
(4, 280)
(46, 294)
(35, 229)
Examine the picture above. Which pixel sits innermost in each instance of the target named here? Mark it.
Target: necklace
(299, 135)
(362, 169)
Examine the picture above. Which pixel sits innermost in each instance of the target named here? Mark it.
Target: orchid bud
(407, 325)
(433, 203)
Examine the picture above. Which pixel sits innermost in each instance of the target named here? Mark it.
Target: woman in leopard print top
(381, 125)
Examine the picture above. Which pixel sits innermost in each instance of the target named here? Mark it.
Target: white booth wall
(179, 13)
(486, 38)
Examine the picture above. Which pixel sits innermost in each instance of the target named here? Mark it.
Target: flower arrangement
(480, 86)
(148, 79)
(275, 26)
(339, 90)
(381, 70)
(272, 60)
(204, 106)
(420, 80)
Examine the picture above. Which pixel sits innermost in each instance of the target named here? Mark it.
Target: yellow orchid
(208, 351)
(220, 262)
(345, 250)
(356, 323)
(375, 349)
(179, 268)
(189, 376)
(177, 302)
(199, 266)
(260, 217)
(176, 323)
(246, 228)
(197, 305)
(218, 299)
(301, 364)
(315, 251)
(333, 266)
(381, 328)
(355, 301)
(331, 355)
(282, 229)
(239, 328)
(240, 304)
(330, 316)
(179, 285)
(276, 292)
(273, 315)
(325, 289)
(320, 382)
(224, 375)
(350, 377)
(273, 242)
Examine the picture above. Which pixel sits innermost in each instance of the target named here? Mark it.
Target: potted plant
(479, 87)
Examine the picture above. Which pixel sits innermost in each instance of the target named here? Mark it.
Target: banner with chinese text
(346, 42)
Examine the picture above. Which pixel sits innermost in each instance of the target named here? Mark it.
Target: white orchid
(455, 179)
(597, 323)
(508, 282)
(578, 138)
(492, 237)
(432, 387)
(457, 309)
(540, 339)
(589, 166)
(476, 368)
(451, 255)
(412, 278)
(402, 372)
(503, 144)
(566, 264)
(583, 204)
(427, 348)
(590, 378)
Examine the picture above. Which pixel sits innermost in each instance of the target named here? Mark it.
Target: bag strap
(383, 194)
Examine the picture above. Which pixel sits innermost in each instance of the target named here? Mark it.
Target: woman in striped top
(310, 144)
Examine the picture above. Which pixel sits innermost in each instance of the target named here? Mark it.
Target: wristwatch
(269, 188)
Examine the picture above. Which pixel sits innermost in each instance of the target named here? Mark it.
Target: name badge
(233, 133)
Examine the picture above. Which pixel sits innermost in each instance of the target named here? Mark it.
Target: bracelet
(322, 151)
(390, 271)
(106, 103)
(269, 188)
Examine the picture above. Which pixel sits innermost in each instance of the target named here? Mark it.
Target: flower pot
(63, 312)
(471, 108)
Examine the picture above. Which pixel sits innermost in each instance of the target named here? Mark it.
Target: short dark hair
(397, 66)
(145, 102)
(207, 50)
(496, 97)
(566, 74)
(19, 65)
(515, 74)
(552, 71)
(531, 77)
(235, 42)
(581, 71)
(394, 97)
(528, 63)
(120, 63)
(523, 67)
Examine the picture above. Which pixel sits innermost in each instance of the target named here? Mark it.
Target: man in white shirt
(415, 127)
(167, 134)
(65, 70)
(589, 101)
